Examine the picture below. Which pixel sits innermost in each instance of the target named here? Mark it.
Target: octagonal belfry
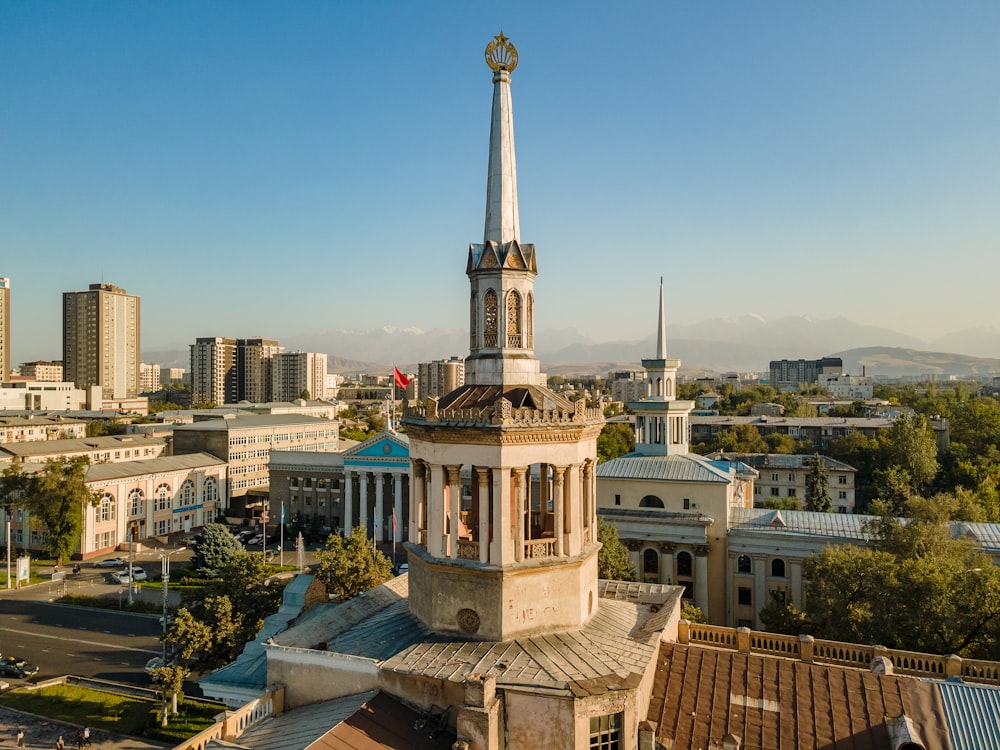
(503, 521)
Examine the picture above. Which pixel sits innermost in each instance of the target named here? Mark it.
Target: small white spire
(502, 224)
(661, 330)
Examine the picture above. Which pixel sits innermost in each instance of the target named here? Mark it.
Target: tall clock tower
(503, 524)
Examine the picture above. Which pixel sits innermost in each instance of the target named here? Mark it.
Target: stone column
(348, 502)
(589, 512)
(363, 500)
(397, 505)
(701, 579)
(519, 514)
(455, 508)
(796, 582)
(418, 502)
(378, 532)
(759, 586)
(502, 552)
(571, 510)
(435, 512)
(543, 496)
(558, 500)
(483, 477)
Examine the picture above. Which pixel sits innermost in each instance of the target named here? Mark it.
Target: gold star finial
(501, 54)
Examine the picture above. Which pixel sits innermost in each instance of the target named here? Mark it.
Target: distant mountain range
(744, 344)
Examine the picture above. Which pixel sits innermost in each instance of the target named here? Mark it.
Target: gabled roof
(676, 468)
(841, 526)
(520, 396)
(783, 460)
(163, 464)
(385, 445)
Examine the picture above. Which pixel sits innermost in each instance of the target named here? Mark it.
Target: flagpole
(281, 537)
(393, 412)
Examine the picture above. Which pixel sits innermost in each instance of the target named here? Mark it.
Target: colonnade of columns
(667, 556)
(499, 524)
(382, 527)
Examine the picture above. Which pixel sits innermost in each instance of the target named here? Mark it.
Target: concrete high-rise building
(213, 371)
(101, 340)
(440, 377)
(49, 372)
(293, 373)
(4, 328)
(253, 367)
(149, 377)
(790, 373)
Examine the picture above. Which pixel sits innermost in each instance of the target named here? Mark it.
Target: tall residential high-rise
(101, 340)
(439, 377)
(51, 372)
(253, 368)
(213, 371)
(4, 328)
(149, 377)
(293, 373)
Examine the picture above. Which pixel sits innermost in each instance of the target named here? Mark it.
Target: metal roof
(676, 468)
(258, 420)
(81, 445)
(123, 469)
(972, 713)
(782, 460)
(833, 525)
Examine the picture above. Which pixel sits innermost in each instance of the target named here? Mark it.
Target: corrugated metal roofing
(80, 445)
(972, 713)
(986, 534)
(833, 525)
(783, 460)
(259, 420)
(676, 468)
(188, 461)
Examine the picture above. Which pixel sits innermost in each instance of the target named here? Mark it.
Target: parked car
(138, 573)
(12, 666)
(111, 562)
(242, 536)
(121, 577)
(255, 540)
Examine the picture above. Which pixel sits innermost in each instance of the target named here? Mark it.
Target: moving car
(13, 666)
(111, 562)
(259, 539)
(155, 663)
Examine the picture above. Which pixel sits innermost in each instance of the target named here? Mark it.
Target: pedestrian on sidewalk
(20, 738)
(59, 743)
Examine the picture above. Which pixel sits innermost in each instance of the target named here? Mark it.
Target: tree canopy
(350, 566)
(817, 486)
(612, 561)
(917, 588)
(616, 439)
(213, 548)
(55, 498)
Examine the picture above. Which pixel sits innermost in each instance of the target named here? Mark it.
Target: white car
(138, 574)
(111, 562)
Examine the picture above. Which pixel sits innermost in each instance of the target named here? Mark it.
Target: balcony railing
(538, 548)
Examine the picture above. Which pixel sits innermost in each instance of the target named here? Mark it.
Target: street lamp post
(165, 578)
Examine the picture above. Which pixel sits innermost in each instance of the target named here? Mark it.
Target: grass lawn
(115, 713)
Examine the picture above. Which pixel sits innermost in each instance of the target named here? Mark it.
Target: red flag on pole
(401, 380)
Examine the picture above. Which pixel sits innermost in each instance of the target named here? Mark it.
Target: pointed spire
(502, 224)
(661, 329)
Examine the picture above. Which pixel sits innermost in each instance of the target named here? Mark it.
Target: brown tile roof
(701, 694)
(381, 724)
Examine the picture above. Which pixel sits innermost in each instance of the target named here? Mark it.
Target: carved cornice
(633, 545)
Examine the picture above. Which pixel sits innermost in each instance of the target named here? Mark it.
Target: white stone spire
(661, 330)
(502, 225)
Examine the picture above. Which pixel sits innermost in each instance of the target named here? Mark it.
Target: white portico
(489, 564)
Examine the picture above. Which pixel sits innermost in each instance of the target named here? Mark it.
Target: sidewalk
(40, 732)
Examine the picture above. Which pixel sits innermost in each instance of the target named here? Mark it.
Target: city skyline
(250, 170)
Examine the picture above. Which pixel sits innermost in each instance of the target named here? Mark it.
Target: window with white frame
(210, 490)
(136, 503)
(163, 494)
(106, 508)
(187, 495)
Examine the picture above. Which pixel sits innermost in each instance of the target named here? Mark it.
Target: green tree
(54, 498)
(616, 439)
(171, 681)
(305, 395)
(692, 613)
(612, 561)
(781, 616)
(817, 486)
(214, 547)
(348, 566)
(215, 623)
(743, 438)
(910, 444)
(780, 442)
(782, 503)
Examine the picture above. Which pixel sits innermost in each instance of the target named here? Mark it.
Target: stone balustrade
(468, 549)
(231, 725)
(820, 651)
(537, 548)
(503, 413)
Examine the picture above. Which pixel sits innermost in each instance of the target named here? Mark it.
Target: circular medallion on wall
(468, 621)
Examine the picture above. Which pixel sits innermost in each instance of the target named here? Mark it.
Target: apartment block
(48, 372)
(213, 371)
(149, 378)
(101, 340)
(293, 373)
(440, 377)
(786, 373)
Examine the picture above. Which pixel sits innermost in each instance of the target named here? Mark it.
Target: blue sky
(270, 169)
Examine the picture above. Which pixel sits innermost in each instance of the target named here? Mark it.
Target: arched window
(106, 510)
(651, 562)
(514, 320)
(473, 315)
(777, 568)
(163, 497)
(210, 490)
(529, 321)
(187, 494)
(136, 503)
(670, 388)
(651, 501)
(684, 563)
(743, 565)
(490, 318)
